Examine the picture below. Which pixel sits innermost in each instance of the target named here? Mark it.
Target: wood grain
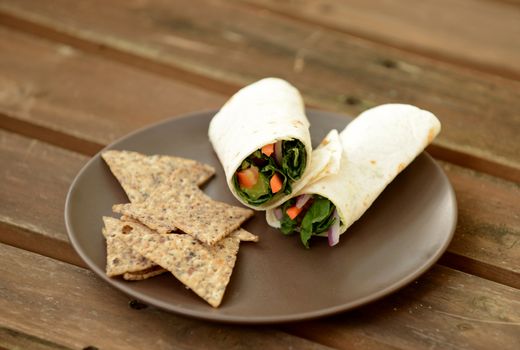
(478, 111)
(480, 34)
(68, 305)
(444, 309)
(13, 340)
(81, 101)
(34, 180)
(488, 218)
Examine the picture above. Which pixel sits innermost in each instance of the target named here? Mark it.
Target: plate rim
(234, 319)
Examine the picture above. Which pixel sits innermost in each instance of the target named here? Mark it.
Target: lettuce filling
(315, 217)
(261, 176)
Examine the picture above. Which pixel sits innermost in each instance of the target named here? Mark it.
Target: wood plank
(81, 101)
(13, 340)
(478, 111)
(444, 309)
(79, 310)
(488, 228)
(34, 181)
(480, 34)
(487, 234)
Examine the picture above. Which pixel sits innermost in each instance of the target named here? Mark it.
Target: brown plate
(278, 280)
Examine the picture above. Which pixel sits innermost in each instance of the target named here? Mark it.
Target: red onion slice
(333, 233)
(278, 213)
(278, 152)
(304, 198)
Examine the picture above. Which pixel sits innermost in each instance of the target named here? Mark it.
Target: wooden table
(76, 75)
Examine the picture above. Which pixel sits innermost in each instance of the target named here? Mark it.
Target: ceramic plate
(277, 280)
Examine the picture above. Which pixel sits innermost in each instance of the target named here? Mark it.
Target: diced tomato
(275, 183)
(293, 212)
(268, 149)
(247, 178)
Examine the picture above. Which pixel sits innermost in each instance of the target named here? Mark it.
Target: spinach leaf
(257, 198)
(318, 218)
(288, 226)
(267, 167)
(294, 159)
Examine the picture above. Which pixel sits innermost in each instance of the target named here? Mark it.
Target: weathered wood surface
(70, 95)
(68, 305)
(105, 73)
(444, 309)
(34, 180)
(13, 340)
(478, 111)
(488, 229)
(480, 34)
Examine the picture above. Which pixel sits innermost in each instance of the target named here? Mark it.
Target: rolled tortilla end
(377, 146)
(260, 114)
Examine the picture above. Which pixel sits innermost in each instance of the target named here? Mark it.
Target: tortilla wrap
(262, 113)
(377, 146)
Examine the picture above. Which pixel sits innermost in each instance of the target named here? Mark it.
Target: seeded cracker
(204, 269)
(145, 274)
(245, 236)
(178, 203)
(139, 174)
(121, 259)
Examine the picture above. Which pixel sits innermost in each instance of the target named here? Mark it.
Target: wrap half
(377, 146)
(261, 137)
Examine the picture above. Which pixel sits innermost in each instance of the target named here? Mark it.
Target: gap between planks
(12, 339)
(430, 54)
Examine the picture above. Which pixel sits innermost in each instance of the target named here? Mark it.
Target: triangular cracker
(244, 236)
(178, 203)
(140, 174)
(204, 269)
(145, 274)
(121, 259)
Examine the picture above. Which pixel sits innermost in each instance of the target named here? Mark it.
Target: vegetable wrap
(377, 146)
(261, 137)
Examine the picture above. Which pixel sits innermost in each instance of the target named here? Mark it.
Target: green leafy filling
(294, 158)
(317, 219)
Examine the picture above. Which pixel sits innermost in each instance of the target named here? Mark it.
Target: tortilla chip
(244, 236)
(140, 174)
(178, 203)
(121, 259)
(204, 269)
(145, 274)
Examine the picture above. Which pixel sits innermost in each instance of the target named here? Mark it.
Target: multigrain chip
(121, 258)
(145, 274)
(204, 269)
(178, 203)
(241, 234)
(140, 174)
(244, 236)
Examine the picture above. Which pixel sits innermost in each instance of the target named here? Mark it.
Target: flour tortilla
(262, 113)
(377, 146)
